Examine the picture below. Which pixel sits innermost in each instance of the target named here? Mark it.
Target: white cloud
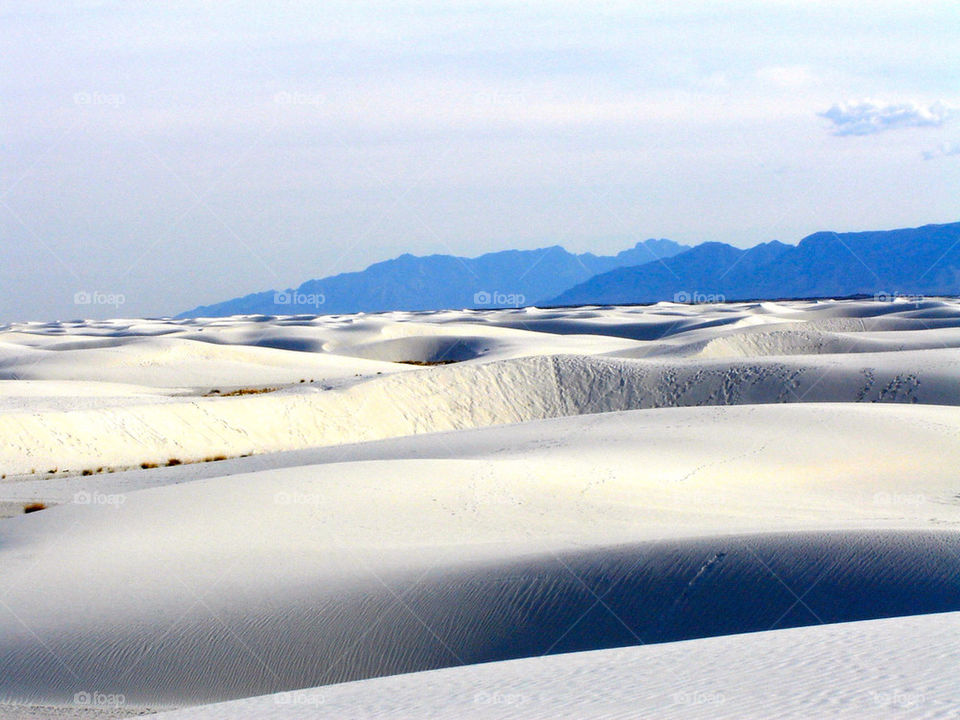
(867, 117)
(947, 149)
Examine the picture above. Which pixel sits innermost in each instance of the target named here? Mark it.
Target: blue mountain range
(509, 278)
(910, 261)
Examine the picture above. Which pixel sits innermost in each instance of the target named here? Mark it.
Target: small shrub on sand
(248, 391)
(147, 465)
(87, 472)
(215, 458)
(34, 507)
(242, 391)
(173, 461)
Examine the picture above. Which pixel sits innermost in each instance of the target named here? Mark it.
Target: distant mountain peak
(918, 261)
(433, 282)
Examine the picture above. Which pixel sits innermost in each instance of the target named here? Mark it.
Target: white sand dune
(576, 480)
(59, 395)
(715, 455)
(175, 364)
(458, 397)
(901, 667)
(187, 594)
(235, 585)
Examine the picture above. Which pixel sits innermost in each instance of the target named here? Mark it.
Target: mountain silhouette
(911, 261)
(500, 279)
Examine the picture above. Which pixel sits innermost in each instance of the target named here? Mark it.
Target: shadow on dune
(437, 617)
(663, 327)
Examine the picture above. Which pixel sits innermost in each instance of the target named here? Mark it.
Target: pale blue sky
(181, 153)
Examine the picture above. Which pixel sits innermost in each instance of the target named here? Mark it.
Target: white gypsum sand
(710, 357)
(578, 479)
(898, 667)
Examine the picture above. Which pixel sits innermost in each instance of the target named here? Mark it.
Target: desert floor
(738, 510)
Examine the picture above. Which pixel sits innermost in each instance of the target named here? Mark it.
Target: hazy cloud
(947, 149)
(867, 117)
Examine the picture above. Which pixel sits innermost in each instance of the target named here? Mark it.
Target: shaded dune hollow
(280, 638)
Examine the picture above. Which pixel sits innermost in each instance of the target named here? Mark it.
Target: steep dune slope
(460, 397)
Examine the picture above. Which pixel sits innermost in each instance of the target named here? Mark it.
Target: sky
(158, 156)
